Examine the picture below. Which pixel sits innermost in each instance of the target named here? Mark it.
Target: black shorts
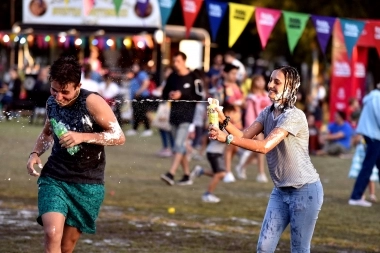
(217, 162)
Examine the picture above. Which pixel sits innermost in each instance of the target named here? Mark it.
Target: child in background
(233, 96)
(256, 102)
(356, 166)
(353, 112)
(214, 152)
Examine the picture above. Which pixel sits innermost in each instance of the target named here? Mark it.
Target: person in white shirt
(108, 89)
(87, 82)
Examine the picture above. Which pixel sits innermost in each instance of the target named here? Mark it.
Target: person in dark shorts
(71, 186)
(215, 155)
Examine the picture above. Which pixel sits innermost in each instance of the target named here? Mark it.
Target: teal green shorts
(79, 203)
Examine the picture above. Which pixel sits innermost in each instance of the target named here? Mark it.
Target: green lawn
(134, 216)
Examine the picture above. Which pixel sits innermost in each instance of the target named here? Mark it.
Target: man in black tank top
(71, 185)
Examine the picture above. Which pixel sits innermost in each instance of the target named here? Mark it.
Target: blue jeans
(372, 158)
(300, 208)
(165, 137)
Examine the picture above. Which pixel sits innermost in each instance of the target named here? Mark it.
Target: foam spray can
(213, 117)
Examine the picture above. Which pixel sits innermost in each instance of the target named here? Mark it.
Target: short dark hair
(182, 54)
(341, 114)
(230, 53)
(65, 70)
(227, 107)
(87, 70)
(228, 67)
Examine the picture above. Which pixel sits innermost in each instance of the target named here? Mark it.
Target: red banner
(190, 9)
(348, 76)
(266, 20)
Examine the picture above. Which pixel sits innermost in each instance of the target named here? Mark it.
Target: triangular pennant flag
(216, 11)
(240, 14)
(295, 24)
(117, 4)
(266, 19)
(324, 27)
(166, 7)
(190, 9)
(87, 6)
(351, 29)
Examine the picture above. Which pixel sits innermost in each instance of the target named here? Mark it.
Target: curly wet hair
(65, 70)
(292, 83)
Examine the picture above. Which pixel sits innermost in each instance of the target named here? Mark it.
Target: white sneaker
(130, 132)
(359, 202)
(197, 172)
(147, 133)
(210, 198)
(241, 172)
(229, 178)
(262, 178)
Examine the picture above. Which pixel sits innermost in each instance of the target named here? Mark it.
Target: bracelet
(34, 152)
(225, 123)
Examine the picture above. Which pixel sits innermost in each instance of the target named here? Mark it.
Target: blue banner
(352, 30)
(166, 7)
(216, 11)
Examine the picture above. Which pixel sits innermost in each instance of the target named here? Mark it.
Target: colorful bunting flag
(87, 6)
(324, 27)
(352, 29)
(240, 14)
(117, 4)
(166, 7)
(190, 9)
(295, 24)
(216, 11)
(266, 19)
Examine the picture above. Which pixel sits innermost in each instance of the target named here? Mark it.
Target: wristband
(34, 152)
(225, 123)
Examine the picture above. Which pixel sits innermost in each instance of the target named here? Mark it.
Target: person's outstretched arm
(104, 116)
(249, 133)
(259, 146)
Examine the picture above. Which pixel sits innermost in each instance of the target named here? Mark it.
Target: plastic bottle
(59, 130)
(213, 117)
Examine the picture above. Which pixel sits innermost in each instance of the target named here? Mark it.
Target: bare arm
(336, 136)
(43, 143)
(249, 133)
(259, 146)
(44, 140)
(104, 116)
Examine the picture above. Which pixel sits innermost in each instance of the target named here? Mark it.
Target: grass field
(134, 216)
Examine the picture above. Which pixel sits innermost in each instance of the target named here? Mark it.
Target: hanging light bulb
(78, 42)
(140, 44)
(6, 38)
(62, 39)
(95, 42)
(110, 42)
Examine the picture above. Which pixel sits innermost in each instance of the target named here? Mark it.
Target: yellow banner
(240, 14)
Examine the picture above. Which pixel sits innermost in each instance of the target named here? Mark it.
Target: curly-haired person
(71, 186)
(298, 194)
